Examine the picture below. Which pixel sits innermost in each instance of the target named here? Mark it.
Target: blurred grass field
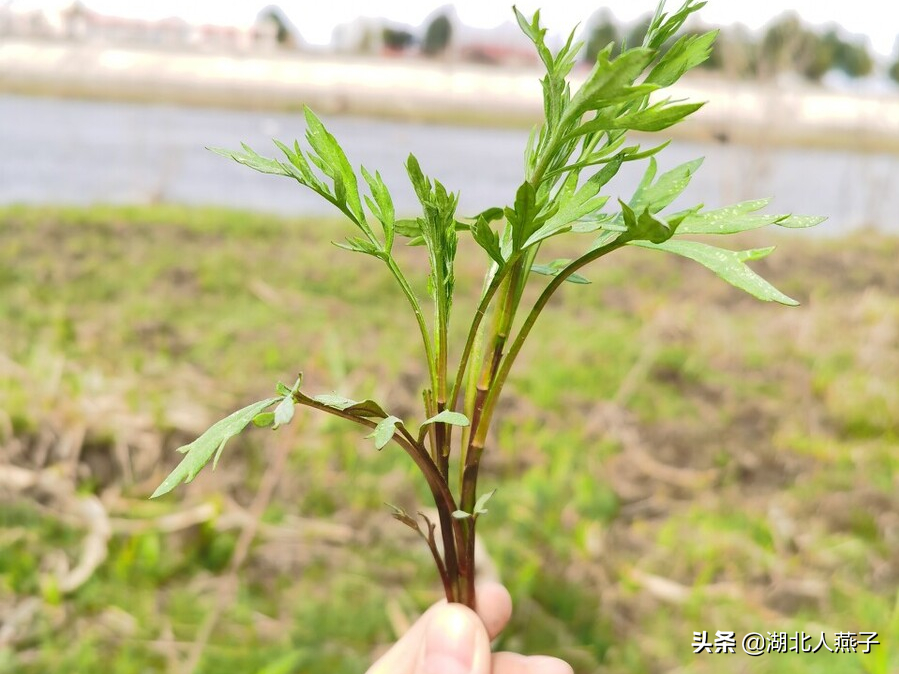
(672, 456)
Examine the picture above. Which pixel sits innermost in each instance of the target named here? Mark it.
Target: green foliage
(787, 45)
(202, 450)
(570, 158)
(893, 72)
(438, 35)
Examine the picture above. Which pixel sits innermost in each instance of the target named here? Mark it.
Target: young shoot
(572, 155)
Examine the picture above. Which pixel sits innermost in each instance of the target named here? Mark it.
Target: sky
(879, 19)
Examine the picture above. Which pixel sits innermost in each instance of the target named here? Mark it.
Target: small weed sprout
(570, 157)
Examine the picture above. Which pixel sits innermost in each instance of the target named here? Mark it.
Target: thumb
(455, 642)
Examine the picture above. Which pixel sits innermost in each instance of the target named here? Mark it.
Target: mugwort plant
(570, 158)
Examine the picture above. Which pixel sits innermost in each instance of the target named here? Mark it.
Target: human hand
(453, 639)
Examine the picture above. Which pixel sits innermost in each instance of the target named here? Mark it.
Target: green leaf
(382, 208)
(523, 219)
(487, 239)
(556, 266)
(283, 389)
(579, 204)
(659, 116)
(727, 264)
(199, 452)
(357, 244)
(609, 80)
(264, 419)
(662, 27)
(332, 160)
(365, 408)
(482, 501)
(461, 515)
(490, 214)
(408, 227)
(659, 194)
(420, 183)
(684, 55)
(284, 412)
(384, 431)
(301, 171)
(249, 158)
(447, 417)
(800, 221)
(654, 118)
(740, 218)
(646, 226)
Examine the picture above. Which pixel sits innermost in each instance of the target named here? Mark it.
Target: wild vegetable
(570, 160)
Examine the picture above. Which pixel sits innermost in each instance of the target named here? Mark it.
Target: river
(81, 152)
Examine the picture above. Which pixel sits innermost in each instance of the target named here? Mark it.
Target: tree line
(787, 45)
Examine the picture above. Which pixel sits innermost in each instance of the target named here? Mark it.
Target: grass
(687, 460)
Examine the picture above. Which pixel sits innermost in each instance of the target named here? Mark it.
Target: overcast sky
(879, 19)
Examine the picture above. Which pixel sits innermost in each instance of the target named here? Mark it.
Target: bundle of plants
(569, 161)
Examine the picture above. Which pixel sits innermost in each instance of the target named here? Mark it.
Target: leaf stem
(419, 317)
(451, 532)
(480, 435)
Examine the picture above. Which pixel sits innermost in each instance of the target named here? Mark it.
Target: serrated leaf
(490, 214)
(364, 408)
(264, 419)
(410, 227)
(332, 160)
(448, 417)
(357, 244)
(664, 27)
(728, 265)
(487, 239)
(199, 452)
(420, 183)
(521, 218)
(384, 431)
(584, 201)
(800, 221)
(684, 55)
(659, 194)
(256, 162)
(740, 218)
(556, 266)
(284, 412)
(301, 171)
(655, 118)
(334, 400)
(608, 80)
(482, 501)
(383, 205)
(646, 226)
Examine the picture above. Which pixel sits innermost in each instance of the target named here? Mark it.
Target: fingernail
(450, 642)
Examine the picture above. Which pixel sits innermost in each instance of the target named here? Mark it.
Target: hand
(452, 639)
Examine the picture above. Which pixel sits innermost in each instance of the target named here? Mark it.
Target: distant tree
(438, 35)
(397, 39)
(735, 53)
(852, 57)
(894, 71)
(637, 32)
(285, 33)
(789, 46)
(602, 32)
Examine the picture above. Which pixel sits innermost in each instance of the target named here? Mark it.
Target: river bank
(427, 91)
